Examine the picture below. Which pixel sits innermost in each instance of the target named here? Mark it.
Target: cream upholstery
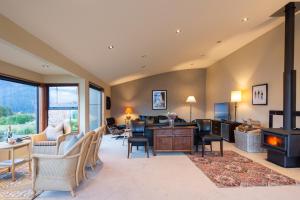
(61, 172)
(41, 144)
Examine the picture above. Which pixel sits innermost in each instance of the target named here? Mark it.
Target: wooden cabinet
(224, 129)
(177, 139)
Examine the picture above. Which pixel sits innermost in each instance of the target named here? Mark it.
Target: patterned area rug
(234, 170)
(21, 188)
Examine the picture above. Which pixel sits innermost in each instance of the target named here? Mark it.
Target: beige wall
(261, 61)
(179, 85)
(12, 70)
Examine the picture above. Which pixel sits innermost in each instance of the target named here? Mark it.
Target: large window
(63, 105)
(18, 107)
(95, 107)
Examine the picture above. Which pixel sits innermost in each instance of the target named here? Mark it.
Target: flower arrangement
(172, 116)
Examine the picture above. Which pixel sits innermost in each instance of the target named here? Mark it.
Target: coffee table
(12, 162)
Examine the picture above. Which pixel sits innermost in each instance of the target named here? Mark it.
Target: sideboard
(173, 139)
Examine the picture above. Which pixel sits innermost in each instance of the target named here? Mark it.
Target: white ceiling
(82, 30)
(19, 57)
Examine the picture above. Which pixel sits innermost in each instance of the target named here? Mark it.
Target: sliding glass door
(95, 107)
(18, 107)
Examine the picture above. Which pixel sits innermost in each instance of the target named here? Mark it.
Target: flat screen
(222, 111)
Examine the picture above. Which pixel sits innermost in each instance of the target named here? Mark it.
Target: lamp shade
(128, 110)
(236, 96)
(190, 99)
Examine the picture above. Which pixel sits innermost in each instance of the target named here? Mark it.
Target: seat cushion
(137, 139)
(212, 137)
(45, 143)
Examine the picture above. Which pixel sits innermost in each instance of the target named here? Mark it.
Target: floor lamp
(236, 96)
(190, 100)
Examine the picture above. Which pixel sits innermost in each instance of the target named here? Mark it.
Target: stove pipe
(289, 74)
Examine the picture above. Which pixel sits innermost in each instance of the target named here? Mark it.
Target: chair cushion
(212, 137)
(52, 133)
(137, 139)
(45, 143)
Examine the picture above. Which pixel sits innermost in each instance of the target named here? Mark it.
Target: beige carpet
(18, 190)
(168, 176)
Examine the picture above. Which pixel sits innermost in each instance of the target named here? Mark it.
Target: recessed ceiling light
(219, 41)
(45, 65)
(245, 19)
(110, 47)
(178, 31)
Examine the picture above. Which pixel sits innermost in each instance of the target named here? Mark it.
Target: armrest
(39, 137)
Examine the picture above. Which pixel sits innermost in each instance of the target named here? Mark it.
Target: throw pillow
(52, 133)
(59, 127)
(80, 135)
(70, 143)
(163, 121)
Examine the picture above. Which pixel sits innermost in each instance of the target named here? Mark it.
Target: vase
(171, 122)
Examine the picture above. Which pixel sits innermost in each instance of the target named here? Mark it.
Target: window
(95, 107)
(18, 107)
(63, 105)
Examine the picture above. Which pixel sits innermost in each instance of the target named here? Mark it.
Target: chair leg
(203, 148)
(72, 193)
(211, 146)
(130, 148)
(147, 149)
(221, 147)
(129, 145)
(137, 147)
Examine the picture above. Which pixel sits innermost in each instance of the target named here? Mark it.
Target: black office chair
(205, 137)
(138, 138)
(113, 128)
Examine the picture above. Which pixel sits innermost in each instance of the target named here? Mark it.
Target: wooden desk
(173, 139)
(12, 162)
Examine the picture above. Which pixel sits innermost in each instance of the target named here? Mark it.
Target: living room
(173, 101)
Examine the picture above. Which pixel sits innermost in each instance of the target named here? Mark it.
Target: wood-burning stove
(283, 145)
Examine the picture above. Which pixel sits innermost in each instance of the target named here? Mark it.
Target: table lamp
(190, 100)
(128, 111)
(236, 96)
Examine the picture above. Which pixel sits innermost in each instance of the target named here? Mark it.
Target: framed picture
(159, 99)
(260, 94)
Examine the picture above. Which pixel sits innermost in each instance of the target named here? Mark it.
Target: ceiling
(142, 32)
(19, 57)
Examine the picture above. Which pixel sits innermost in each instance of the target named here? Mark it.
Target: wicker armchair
(60, 172)
(41, 144)
(93, 157)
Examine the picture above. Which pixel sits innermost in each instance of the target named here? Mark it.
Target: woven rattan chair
(60, 172)
(93, 157)
(41, 144)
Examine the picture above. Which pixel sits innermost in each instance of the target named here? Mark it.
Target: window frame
(31, 83)
(101, 90)
(62, 108)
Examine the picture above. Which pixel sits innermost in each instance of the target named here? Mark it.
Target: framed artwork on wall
(260, 94)
(159, 99)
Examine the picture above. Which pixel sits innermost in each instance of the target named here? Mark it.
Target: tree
(5, 111)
